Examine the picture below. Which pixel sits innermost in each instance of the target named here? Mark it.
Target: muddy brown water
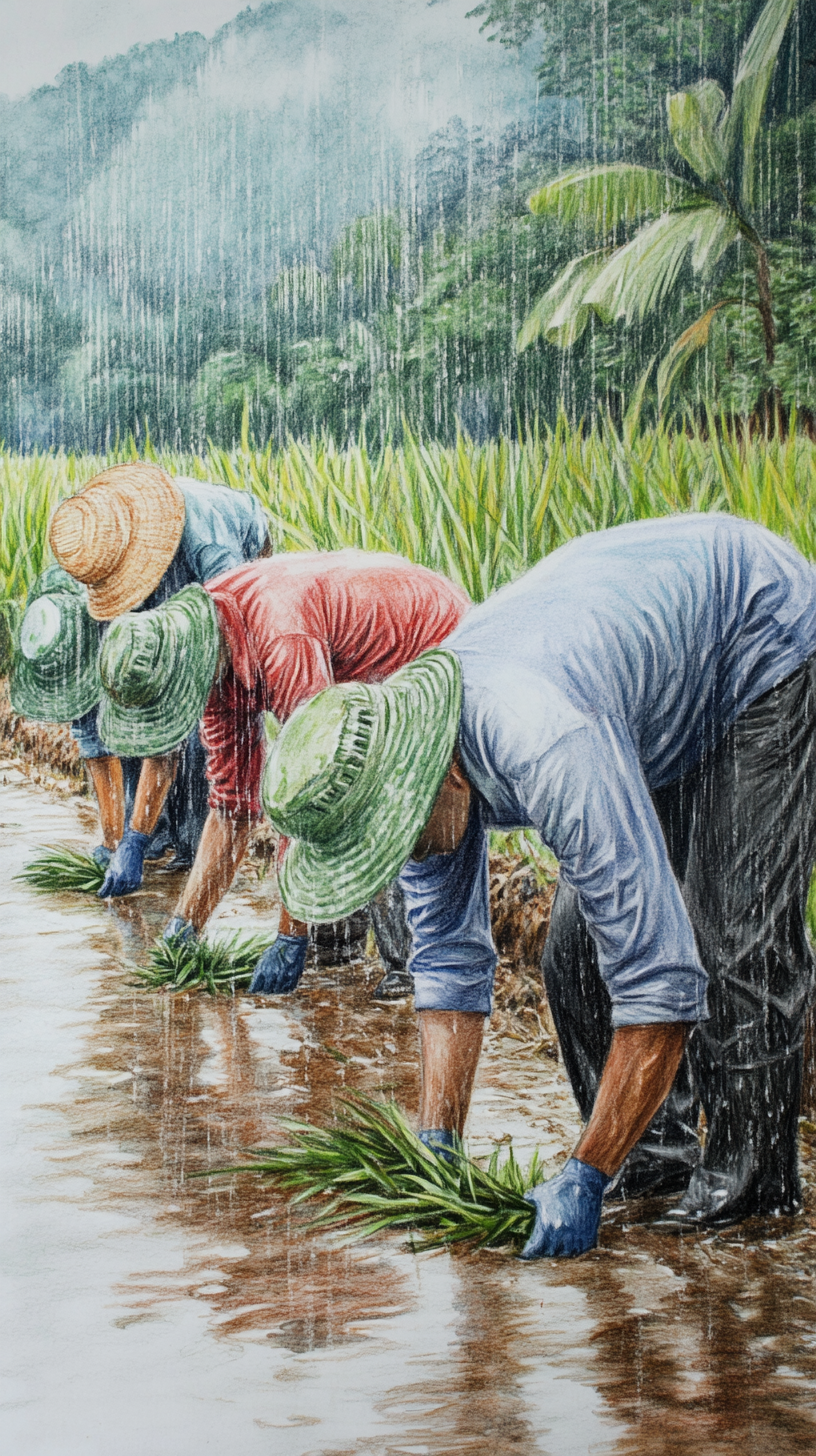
(144, 1312)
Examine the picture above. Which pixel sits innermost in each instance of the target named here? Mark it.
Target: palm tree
(697, 220)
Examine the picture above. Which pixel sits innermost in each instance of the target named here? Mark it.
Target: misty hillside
(150, 203)
(320, 215)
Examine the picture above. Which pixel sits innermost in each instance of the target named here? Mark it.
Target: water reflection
(209, 1297)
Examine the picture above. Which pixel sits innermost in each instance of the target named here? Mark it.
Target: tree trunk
(763, 273)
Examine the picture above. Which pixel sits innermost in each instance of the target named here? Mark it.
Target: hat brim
(157, 728)
(157, 511)
(419, 710)
(57, 703)
(78, 688)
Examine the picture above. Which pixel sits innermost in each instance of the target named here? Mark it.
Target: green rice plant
(218, 966)
(481, 513)
(374, 1173)
(63, 868)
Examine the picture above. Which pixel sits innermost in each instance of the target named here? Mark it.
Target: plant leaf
(638, 277)
(751, 90)
(559, 314)
(694, 338)
(693, 122)
(606, 196)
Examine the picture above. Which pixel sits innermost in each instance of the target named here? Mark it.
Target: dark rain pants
(741, 834)
(390, 925)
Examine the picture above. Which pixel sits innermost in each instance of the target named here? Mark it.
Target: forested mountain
(321, 212)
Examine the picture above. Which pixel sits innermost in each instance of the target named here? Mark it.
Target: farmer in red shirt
(264, 637)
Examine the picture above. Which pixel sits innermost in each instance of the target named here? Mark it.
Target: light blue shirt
(223, 528)
(603, 674)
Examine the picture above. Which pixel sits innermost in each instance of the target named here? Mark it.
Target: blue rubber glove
(179, 929)
(126, 868)
(568, 1212)
(102, 856)
(441, 1141)
(280, 967)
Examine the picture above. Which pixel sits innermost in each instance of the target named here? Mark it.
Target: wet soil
(147, 1311)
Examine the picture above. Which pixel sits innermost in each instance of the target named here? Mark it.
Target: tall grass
(480, 513)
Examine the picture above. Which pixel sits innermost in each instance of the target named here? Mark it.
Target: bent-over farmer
(645, 698)
(134, 536)
(265, 638)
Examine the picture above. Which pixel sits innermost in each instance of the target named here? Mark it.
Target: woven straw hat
(55, 672)
(119, 535)
(157, 669)
(351, 781)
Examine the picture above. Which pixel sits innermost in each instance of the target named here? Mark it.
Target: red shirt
(297, 623)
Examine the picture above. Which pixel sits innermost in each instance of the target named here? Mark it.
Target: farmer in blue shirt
(135, 537)
(645, 698)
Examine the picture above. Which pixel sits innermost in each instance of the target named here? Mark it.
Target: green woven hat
(352, 779)
(55, 667)
(157, 669)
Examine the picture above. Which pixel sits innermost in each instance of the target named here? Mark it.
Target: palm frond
(217, 966)
(751, 89)
(376, 1174)
(695, 124)
(638, 277)
(692, 339)
(560, 315)
(605, 197)
(62, 868)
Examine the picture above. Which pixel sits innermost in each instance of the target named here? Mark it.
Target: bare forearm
(450, 1042)
(220, 852)
(637, 1078)
(106, 777)
(155, 780)
(288, 925)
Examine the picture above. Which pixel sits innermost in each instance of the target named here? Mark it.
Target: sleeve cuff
(678, 993)
(455, 988)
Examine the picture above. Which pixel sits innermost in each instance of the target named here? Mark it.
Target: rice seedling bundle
(218, 966)
(371, 1172)
(63, 868)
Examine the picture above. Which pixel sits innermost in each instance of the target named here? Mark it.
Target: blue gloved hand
(179, 929)
(280, 967)
(102, 856)
(125, 869)
(441, 1141)
(568, 1212)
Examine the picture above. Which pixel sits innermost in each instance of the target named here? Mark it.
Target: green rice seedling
(63, 868)
(373, 1173)
(219, 966)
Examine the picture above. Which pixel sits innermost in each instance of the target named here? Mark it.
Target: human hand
(568, 1212)
(441, 1141)
(280, 967)
(179, 929)
(102, 856)
(127, 865)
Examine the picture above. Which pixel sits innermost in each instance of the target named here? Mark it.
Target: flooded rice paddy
(147, 1312)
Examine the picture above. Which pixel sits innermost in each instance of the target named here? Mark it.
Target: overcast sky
(39, 37)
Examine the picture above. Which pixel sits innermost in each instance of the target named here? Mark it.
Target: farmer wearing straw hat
(134, 537)
(265, 638)
(645, 698)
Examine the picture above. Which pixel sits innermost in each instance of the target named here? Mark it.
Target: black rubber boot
(394, 986)
(750, 1164)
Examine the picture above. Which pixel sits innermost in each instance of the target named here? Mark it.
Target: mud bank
(149, 1311)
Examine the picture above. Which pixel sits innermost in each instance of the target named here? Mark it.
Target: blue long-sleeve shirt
(603, 674)
(223, 528)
